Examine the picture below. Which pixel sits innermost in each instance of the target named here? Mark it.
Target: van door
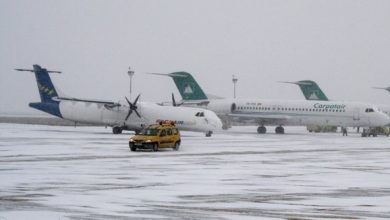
(164, 138)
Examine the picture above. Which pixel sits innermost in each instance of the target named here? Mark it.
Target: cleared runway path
(50, 172)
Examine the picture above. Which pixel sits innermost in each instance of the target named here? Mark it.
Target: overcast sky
(343, 45)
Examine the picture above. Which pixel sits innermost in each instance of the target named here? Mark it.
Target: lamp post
(234, 80)
(131, 74)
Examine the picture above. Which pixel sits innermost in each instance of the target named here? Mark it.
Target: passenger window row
(292, 109)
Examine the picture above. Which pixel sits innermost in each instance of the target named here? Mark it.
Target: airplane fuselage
(298, 112)
(94, 113)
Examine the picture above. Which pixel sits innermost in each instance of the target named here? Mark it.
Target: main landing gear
(117, 130)
(209, 133)
(262, 130)
(279, 130)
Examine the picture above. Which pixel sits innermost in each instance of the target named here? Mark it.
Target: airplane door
(356, 114)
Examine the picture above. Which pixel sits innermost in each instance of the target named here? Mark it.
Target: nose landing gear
(209, 133)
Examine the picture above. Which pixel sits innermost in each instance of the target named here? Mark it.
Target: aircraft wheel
(279, 130)
(209, 133)
(116, 130)
(261, 130)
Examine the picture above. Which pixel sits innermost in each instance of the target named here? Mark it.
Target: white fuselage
(385, 109)
(151, 113)
(298, 112)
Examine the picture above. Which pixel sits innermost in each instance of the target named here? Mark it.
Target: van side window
(169, 131)
(369, 110)
(174, 131)
(163, 133)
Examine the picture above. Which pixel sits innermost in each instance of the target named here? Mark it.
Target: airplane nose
(218, 123)
(214, 123)
(387, 119)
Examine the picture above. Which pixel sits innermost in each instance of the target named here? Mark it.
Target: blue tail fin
(45, 85)
(46, 90)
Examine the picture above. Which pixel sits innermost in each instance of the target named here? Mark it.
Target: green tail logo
(189, 89)
(311, 90)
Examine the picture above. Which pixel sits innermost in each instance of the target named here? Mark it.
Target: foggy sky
(343, 45)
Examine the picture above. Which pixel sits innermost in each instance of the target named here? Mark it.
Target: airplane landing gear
(279, 130)
(117, 130)
(261, 130)
(209, 133)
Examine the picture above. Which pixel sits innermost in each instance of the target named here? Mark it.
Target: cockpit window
(199, 114)
(369, 110)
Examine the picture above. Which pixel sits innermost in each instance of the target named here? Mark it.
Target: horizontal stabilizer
(108, 103)
(384, 88)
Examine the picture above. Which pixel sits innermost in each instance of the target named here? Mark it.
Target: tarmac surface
(54, 172)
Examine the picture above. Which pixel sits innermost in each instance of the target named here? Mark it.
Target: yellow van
(154, 137)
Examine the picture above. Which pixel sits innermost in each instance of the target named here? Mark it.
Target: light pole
(131, 74)
(234, 80)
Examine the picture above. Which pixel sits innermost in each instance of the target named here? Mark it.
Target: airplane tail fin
(46, 90)
(310, 90)
(45, 85)
(186, 84)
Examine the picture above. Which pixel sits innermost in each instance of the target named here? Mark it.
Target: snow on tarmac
(49, 172)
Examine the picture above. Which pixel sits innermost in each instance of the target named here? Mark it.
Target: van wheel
(131, 146)
(155, 147)
(177, 146)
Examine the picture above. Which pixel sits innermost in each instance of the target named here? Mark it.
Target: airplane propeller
(174, 101)
(132, 107)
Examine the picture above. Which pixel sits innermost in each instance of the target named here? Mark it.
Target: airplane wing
(195, 102)
(107, 104)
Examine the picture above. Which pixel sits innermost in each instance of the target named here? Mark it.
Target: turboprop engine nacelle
(222, 107)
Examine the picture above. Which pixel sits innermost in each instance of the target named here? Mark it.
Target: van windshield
(149, 132)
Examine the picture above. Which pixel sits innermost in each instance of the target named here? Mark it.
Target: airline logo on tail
(310, 90)
(188, 89)
(313, 96)
(44, 89)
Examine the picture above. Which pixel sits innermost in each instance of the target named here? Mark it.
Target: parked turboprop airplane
(115, 114)
(280, 112)
(312, 91)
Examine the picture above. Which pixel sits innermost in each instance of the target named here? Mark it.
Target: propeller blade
(136, 100)
(173, 100)
(128, 114)
(128, 101)
(136, 112)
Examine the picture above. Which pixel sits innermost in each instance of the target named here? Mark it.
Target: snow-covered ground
(49, 172)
